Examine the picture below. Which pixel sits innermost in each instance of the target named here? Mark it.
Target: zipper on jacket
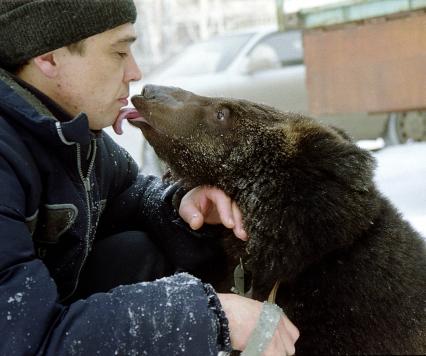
(87, 188)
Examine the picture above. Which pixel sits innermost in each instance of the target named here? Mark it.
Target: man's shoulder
(10, 135)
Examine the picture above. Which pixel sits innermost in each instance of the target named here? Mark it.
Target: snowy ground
(401, 174)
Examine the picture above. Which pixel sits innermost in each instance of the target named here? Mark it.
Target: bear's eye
(220, 115)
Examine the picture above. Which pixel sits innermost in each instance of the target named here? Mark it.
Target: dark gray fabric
(178, 315)
(121, 259)
(29, 28)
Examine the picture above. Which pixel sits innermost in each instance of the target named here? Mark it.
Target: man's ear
(47, 64)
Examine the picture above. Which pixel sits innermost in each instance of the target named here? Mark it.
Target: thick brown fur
(352, 271)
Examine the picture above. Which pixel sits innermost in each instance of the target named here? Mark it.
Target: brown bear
(352, 272)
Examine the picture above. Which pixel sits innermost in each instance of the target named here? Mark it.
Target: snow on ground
(400, 175)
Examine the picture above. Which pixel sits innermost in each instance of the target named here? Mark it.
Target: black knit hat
(29, 28)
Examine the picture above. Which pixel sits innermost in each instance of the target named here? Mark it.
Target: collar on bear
(239, 284)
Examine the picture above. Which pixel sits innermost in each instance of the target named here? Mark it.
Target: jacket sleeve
(145, 203)
(178, 315)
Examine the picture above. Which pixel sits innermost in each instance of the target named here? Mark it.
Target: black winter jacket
(61, 186)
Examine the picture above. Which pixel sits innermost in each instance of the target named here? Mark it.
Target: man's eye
(122, 54)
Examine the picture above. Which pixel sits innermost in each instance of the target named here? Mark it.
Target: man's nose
(133, 73)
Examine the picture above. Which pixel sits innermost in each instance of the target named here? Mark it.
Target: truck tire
(405, 127)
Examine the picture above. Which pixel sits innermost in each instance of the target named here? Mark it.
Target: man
(76, 218)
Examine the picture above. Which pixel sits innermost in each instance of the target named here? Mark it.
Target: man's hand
(211, 206)
(243, 313)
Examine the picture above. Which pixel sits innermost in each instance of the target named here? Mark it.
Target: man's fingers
(238, 229)
(212, 206)
(190, 212)
(291, 328)
(282, 342)
(196, 221)
(286, 338)
(223, 206)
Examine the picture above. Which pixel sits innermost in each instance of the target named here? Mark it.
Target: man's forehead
(128, 39)
(124, 34)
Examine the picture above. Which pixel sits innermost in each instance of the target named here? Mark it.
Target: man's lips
(124, 101)
(128, 114)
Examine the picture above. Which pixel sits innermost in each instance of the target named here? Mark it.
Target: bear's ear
(341, 133)
(356, 167)
(329, 154)
(350, 164)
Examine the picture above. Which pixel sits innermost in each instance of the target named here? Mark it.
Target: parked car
(265, 65)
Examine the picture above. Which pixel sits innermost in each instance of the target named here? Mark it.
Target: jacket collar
(40, 114)
(58, 112)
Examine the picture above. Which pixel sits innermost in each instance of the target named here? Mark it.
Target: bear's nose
(151, 91)
(148, 91)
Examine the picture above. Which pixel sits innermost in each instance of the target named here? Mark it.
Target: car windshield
(206, 57)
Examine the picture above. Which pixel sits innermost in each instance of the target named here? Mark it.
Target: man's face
(97, 81)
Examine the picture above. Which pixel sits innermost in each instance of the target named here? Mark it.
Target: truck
(368, 56)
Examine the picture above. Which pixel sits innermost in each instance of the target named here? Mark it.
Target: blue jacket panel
(61, 186)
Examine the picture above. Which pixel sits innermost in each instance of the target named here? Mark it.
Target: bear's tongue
(127, 113)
